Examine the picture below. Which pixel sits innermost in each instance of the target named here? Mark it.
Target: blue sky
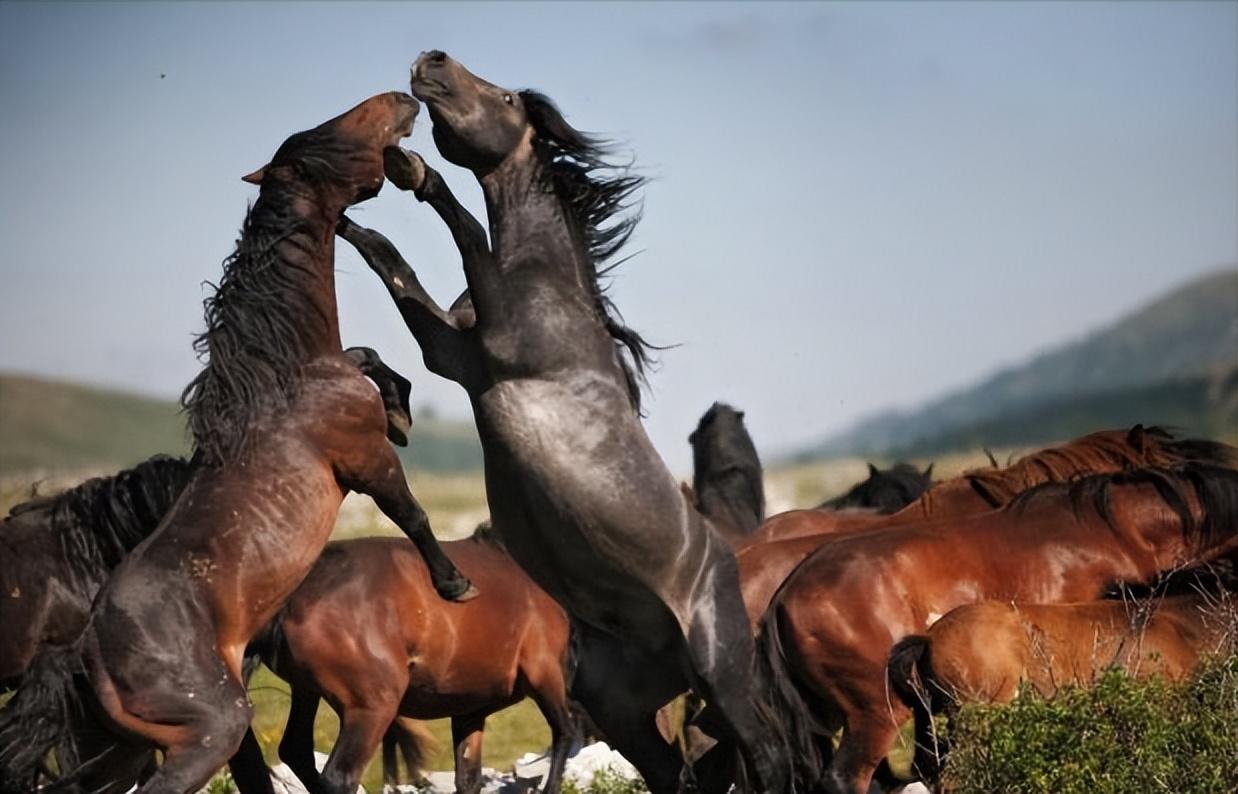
(852, 207)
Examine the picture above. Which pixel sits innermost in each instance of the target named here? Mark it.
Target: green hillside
(48, 426)
(1168, 362)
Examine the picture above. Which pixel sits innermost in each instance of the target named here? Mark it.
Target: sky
(852, 207)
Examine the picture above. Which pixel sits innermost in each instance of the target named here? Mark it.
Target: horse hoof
(453, 593)
(405, 169)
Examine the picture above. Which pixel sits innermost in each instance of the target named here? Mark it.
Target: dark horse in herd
(140, 601)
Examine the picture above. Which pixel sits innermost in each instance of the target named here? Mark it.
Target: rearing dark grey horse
(586, 505)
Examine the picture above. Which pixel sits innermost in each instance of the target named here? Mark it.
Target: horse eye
(507, 98)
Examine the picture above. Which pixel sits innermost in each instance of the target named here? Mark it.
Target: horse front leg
(380, 476)
(409, 172)
(442, 335)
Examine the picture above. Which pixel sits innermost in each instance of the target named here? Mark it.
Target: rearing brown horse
(283, 425)
(584, 503)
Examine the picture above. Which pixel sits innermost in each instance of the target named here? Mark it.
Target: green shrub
(1120, 736)
(606, 781)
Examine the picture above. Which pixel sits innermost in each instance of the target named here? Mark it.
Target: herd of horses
(134, 607)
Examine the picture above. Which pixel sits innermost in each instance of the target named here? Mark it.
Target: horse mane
(260, 320)
(1107, 449)
(101, 520)
(1214, 488)
(593, 191)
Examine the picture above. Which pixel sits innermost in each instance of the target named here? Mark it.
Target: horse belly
(584, 503)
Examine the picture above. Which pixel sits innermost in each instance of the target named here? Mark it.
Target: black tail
(910, 673)
(38, 719)
(800, 727)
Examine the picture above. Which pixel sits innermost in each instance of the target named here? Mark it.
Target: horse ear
(872, 470)
(1136, 438)
(928, 472)
(255, 177)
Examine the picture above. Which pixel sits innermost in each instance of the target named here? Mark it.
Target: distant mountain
(1172, 361)
(48, 426)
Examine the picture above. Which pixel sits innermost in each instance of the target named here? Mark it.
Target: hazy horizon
(853, 207)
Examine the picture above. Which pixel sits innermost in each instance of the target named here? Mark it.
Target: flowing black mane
(261, 324)
(101, 520)
(1215, 488)
(594, 192)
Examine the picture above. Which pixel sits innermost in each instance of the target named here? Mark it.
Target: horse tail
(910, 673)
(790, 712)
(39, 718)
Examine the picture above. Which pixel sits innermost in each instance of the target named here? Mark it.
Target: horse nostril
(436, 56)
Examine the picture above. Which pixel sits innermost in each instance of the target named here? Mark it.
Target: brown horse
(990, 488)
(786, 539)
(366, 631)
(584, 502)
(983, 652)
(283, 425)
(829, 630)
(56, 552)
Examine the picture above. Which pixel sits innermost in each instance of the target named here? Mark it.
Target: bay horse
(367, 632)
(984, 652)
(283, 424)
(979, 490)
(787, 538)
(829, 630)
(56, 552)
(884, 490)
(727, 478)
(585, 504)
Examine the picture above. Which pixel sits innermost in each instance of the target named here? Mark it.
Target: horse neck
(524, 216)
(307, 256)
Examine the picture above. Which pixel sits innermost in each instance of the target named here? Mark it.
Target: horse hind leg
(361, 731)
(296, 748)
(722, 656)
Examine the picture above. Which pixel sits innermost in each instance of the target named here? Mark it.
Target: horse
(283, 424)
(727, 476)
(885, 491)
(367, 632)
(783, 541)
(990, 488)
(585, 504)
(984, 652)
(829, 630)
(56, 552)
